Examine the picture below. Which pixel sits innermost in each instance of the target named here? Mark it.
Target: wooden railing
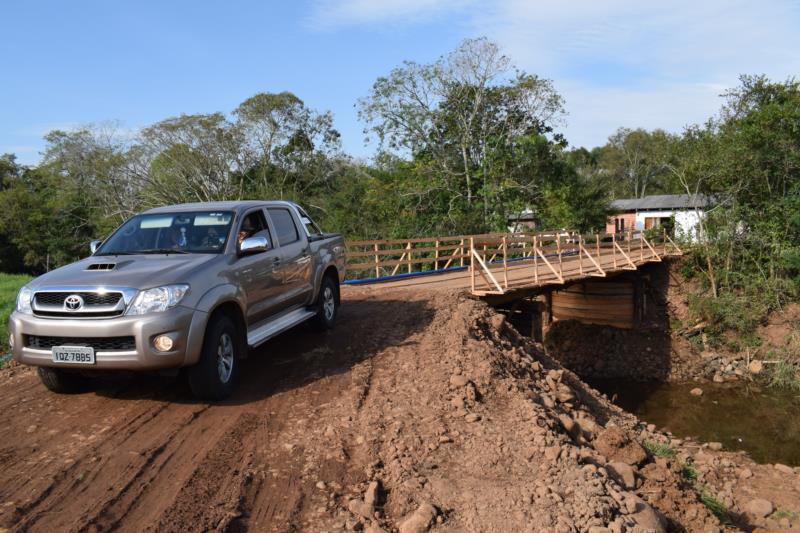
(489, 256)
(561, 258)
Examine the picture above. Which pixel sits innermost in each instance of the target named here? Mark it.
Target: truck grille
(100, 344)
(93, 304)
(89, 298)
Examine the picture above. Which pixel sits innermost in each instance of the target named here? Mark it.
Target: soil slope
(419, 411)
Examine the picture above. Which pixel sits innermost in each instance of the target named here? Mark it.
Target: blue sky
(617, 63)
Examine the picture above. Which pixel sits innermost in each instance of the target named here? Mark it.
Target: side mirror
(254, 245)
(94, 245)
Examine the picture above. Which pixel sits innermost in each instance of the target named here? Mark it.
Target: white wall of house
(686, 221)
(687, 224)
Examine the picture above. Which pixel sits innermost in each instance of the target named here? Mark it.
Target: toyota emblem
(73, 302)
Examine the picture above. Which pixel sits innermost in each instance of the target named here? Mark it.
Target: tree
(454, 117)
(45, 219)
(636, 161)
(283, 139)
(191, 158)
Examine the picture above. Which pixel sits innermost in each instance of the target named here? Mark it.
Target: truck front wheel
(62, 382)
(214, 376)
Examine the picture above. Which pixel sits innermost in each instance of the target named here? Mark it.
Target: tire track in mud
(99, 468)
(143, 456)
(27, 512)
(211, 495)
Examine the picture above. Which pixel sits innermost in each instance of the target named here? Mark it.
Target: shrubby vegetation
(464, 142)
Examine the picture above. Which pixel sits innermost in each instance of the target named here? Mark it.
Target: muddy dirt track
(140, 454)
(419, 411)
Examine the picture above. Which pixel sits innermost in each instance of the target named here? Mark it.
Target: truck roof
(231, 205)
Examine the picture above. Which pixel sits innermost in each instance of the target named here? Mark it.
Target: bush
(9, 286)
(659, 449)
(728, 312)
(785, 372)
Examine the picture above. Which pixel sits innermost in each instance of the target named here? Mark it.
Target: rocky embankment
(479, 432)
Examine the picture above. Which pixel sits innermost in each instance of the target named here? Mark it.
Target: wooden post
(505, 262)
(580, 254)
(597, 244)
(558, 247)
(471, 260)
(536, 260)
(409, 257)
(629, 239)
(614, 248)
(641, 246)
(437, 255)
(462, 251)
(377, 262)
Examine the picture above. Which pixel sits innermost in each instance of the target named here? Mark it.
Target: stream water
(765, 422)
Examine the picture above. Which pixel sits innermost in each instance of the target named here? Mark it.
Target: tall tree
(637, 161)
(453, 117)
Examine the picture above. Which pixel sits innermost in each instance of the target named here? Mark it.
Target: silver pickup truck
(185, 286)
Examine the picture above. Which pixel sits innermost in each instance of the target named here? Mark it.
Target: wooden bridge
(503, 264)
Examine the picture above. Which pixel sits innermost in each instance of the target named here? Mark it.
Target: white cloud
(644, 64)
(596, 112)
(617, 62)
(333, 14)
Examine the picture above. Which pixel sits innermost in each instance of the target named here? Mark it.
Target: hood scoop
(102, 266)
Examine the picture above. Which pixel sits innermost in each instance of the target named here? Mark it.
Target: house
(521, 222)
(679, 214)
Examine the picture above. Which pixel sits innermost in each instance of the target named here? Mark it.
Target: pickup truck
(189, 286)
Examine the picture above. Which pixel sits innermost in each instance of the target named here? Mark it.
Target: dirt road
(419, 410)
(141, 454)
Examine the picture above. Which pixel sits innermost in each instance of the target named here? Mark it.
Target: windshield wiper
(162, 251)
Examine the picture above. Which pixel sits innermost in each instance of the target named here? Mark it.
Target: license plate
(77, 355)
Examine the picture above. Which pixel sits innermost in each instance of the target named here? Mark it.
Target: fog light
(163, 343)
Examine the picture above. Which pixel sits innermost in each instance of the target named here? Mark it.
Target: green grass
(713, 504)
(785, 373)
(690, 474)
(9, 286)
(784, 513)
(659, 449)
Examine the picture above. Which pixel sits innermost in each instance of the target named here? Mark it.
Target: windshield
(201, 232)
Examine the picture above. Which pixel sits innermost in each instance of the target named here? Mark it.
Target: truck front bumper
(31, 335)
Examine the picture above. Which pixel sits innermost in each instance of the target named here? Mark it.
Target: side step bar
(274, 326)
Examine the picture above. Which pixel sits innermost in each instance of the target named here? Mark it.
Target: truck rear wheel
(327, 305)
(214, 376)
(61, 381)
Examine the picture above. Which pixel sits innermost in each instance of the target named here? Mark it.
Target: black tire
(61, 381)
(327, 304)
(214, 377)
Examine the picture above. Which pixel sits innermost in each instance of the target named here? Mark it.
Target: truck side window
(253, 224)
(285, 228)
(309, 225)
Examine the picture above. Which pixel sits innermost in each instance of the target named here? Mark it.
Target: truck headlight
(24, 298)
(157, 299)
